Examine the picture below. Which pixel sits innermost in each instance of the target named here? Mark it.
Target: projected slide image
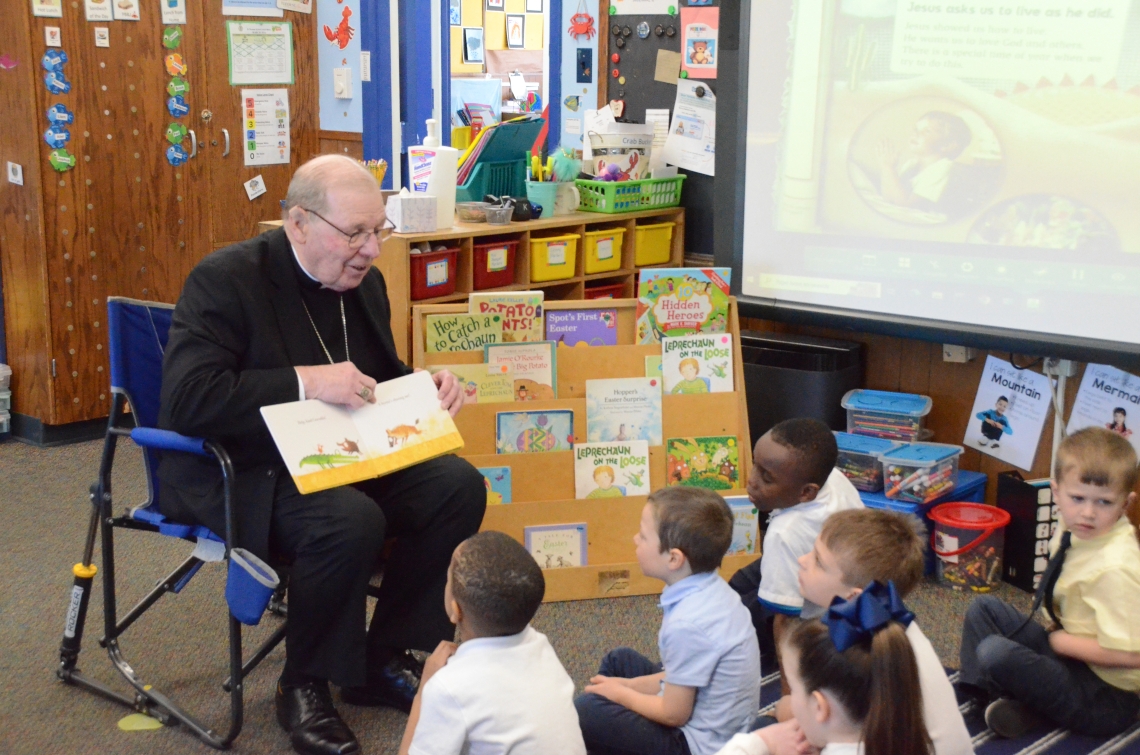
(925, 160)
(1047, 222)
(932, 114)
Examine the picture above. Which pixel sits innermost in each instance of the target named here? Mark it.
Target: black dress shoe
(395, 685)
(307, 712)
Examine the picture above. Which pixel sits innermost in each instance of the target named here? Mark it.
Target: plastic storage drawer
(653, 244)
(920, 472)
(859, 459)
(884, 414)
(494, 264)
(552, 257)
(603, 250)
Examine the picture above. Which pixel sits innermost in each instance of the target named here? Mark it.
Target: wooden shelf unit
(395, 264)
(543, 483)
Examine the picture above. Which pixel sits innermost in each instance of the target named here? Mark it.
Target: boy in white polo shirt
(1083, 673)
(503, 689)
(795, 479)
(707, 686)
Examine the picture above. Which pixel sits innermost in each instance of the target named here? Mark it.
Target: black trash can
(788, 376)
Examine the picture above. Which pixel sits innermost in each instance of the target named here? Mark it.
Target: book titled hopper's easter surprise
(697, 364)
(681, 301)
(325, 446)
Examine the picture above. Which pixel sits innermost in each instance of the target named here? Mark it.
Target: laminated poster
(691, 142)
(644, 7)
(97, 10)
(700, 46)
(1108, 398)
(51, 8)
(261, 52)
(1009, 412)
(266, 122)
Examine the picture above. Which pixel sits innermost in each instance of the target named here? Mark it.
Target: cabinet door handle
(193, 143)
(226, 134)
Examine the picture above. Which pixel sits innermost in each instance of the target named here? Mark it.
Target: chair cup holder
(250, 583)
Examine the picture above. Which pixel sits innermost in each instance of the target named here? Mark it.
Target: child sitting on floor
(867, 545)
(503, 689)
(707, 686)
(854, 680)
(1083, 672)
(793, 477)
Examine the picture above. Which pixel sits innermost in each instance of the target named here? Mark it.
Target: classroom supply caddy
(969, 540)
(920, 472)
(473, 273)
(500, 166)
(543, 488)
(603, 250)
(859, 459)
(884, 414)
(628, 196)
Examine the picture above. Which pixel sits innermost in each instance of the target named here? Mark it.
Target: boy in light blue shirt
(707, 686)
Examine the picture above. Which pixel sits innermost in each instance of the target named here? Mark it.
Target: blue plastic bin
(971, 487)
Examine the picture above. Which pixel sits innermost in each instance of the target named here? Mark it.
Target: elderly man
(301, 313)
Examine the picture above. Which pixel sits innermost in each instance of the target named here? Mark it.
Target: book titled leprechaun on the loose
(325, 446)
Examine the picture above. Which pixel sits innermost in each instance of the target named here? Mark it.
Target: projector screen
(973, 162)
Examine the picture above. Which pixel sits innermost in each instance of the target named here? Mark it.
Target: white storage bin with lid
(859, 459)
(886, 414)
(5, 422)
(5, 377)
(920, 472)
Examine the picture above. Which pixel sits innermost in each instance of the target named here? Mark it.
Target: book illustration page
(406, 412)
(312, 435)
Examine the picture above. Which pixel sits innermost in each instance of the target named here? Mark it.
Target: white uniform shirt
(500, 695)
(750, 744)
(791, 534)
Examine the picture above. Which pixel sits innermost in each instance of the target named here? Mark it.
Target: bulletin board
(637, 64)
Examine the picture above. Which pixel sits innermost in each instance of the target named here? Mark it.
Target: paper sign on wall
(1108, 398)
(52, 37)
(255, 187)
(643, 7)
(265, 121)
(173, 11)
(300, 6)
(1009, 413)
(98, 10)
(691, 143)
(261, 52)
(700, 47)
(125, 10)
(47, 8)
(266, 8)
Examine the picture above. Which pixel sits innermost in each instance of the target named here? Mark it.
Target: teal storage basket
(500, 168)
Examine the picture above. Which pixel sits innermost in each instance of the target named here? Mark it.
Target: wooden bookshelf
(543, 483)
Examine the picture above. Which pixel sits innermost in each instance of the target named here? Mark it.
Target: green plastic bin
(629, 196)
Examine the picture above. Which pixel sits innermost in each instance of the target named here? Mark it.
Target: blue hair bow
(850, 622)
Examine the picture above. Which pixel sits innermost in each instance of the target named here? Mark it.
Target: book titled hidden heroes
(681, 301)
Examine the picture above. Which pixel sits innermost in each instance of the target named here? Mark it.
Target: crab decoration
(582, 25)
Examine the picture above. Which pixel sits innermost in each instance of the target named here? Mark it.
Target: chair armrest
(168, 440)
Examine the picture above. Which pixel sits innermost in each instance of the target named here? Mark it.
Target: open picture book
(325, 446)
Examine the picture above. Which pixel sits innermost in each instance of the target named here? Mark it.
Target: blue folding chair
(138, 333)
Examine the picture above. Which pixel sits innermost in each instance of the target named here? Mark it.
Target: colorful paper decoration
(175, 133)
(175, 65)
(172, 37)
(177, 106)
(177, 85)
(57, 136)
(176, 155)
(61, 160)
(60, 114)
(56, 82)
(54, 60)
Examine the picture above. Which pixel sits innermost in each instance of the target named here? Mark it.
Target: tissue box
(412, 213)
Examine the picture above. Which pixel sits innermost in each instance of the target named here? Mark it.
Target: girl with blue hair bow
(854, 684)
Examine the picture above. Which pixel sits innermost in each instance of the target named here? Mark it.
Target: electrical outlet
(958, 354)
(342, 83)
(1059, 367)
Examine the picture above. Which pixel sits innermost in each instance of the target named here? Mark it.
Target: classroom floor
(178, 645)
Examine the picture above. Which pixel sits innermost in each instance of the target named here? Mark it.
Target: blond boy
(1083, 672)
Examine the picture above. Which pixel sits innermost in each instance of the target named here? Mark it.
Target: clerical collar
(305, 278)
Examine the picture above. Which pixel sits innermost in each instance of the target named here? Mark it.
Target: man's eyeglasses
(359, 238)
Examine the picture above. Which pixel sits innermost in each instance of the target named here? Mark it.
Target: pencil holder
(542, 193)
(250, 583)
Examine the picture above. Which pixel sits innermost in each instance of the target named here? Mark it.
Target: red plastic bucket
(969, 540)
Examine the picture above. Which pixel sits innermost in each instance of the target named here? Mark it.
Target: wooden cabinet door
(233, 216)
(123, 221)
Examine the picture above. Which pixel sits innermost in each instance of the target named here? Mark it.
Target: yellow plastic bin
(653, 244)
(552, 257)
(603, 250)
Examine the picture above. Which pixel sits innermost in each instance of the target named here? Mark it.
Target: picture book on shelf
(324, 445)
(586, 327)
(533, 365)
(462, 332)
(745, 525)
(697, 364)
(712, 462)
(623, 409)
(497, 480)
(534, 432)
(482, 383)
(611, 470)
(521, 312)
(653, 366)
(556, 546)
(681, 301)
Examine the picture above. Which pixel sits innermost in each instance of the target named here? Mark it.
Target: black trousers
(1024, 667)
(332, 540)
(993, 432)
(746, 582)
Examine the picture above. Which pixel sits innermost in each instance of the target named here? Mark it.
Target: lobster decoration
(343, 32)
(582, 23)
